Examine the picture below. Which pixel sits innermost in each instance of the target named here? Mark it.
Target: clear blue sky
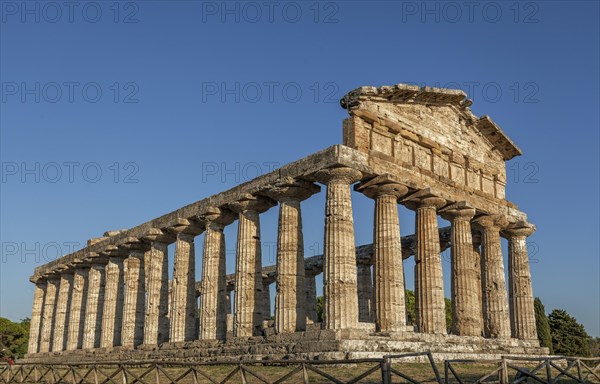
(166, 99)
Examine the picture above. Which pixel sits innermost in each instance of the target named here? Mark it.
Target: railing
(389, 369)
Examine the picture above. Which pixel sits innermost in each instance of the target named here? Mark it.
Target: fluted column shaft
(495, 299)
(339, 269)
(63, 307)
(184, 308)
(47, 329)
(248, 279)
(429, 284)
(213, 310)
(78, 306)
(156, 325)
(290, 315)
(94, 306)
(466, 274)
(36, 316)
(112, 314)
(522, 313)
(310, 287)
(364, 285)
(132, 333)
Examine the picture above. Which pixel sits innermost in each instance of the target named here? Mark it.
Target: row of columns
(122, 297)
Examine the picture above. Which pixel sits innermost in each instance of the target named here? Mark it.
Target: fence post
(548, 372)
(503, 372)
(579, 371)
(386, 374)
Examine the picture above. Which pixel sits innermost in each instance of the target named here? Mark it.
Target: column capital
(458, 211)
(249, 202)
(344, 174)
(187, 226)
(132, 244)
(217, 218)
(157, 235)
(521, 228)
(491, 222)
(423, 198)
(382, 185)
(288, 188)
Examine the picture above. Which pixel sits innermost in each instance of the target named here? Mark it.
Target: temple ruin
(418, 147)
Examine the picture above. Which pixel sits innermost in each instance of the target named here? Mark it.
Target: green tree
(595, 346)
(568, 336)
(542, 325)
(320, 303)
(410, 307)
(14, 337)
(448, 304)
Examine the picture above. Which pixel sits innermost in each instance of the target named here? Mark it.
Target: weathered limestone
(47, 329)
(495, 300)
(249, 308)
(429, 283)
(184, 307)
(112, 313)
(390, 308)
(339, 276)
(63, 307)
(36, 316)
(213, 310)
(156, 262)
(132, 333)
(94, 306)
(290, 307)
(522, 313)
(364, 286)
(78, 306)
(310, 287)
(466, 273)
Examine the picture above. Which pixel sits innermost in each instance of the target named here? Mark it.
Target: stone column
(47, 328)
(266, 301)
(63, 308)
(36, 316)
(522, 313)
(94, 306)
(290, 310)
(132, 333)
(310, 287)
(248, 314)
(112, 314)
(156, 261)
(477, 250)
(184, 308)
(364, 283)
(495, 299)
(430, 306)
(390, 308)
(78, 306)
(339, 270)
(466, 272)
(213, 310)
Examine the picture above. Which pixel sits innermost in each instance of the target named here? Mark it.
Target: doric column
(47, 329)
(248, 314)
(476, 235)
(94, 306)
(466, 272)
(36, 315)
(339, 270)
(266, 299)
(213, 296)
(184, 311)
(310, 287)
(290, 311)
(112, 313)
(63, 308)
(78, 306)
(495, 299)
(156, 262)
(522, 313)
(390, 308)
(364, 286)
(429, 284)
(132, 333)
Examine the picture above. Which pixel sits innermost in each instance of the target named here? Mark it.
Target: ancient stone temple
(408, 147)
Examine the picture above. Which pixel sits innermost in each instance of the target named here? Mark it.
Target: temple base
(312, 344)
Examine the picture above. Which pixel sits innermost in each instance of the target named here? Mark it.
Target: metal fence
(390, 369)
